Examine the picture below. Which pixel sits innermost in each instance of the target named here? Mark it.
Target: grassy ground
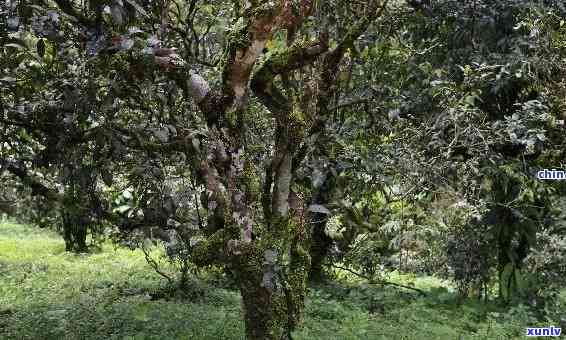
(46, 293)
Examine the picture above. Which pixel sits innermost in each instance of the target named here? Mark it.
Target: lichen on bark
(209, 251)
(272, 277)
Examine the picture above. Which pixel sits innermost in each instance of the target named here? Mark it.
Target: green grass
(46, 293)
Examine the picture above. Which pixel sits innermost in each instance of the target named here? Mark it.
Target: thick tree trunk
(271, 264)
(74, 233)
(80, 237)
(67, 235)
(273, 306)
(265, 305)
(320, 246)
(267, 321)
(273, 279)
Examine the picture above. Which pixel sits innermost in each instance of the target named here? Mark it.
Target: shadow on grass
(124, 312)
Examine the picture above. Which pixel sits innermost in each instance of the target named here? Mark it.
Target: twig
(352, 103)
(381, 282)
(153, 264)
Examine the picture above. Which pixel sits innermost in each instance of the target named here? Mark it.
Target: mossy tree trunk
(256, 213)
(74, 222)
(273, 289)
(74, 233)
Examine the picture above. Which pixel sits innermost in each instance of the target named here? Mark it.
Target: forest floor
(46, 293)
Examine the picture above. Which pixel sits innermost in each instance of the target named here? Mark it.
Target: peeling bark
(244, 50)
(263, 296)
(280, 204)
(271, 269)
(198, 87)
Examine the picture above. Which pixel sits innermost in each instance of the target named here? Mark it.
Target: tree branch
(334, 57)
(288, 136)
(153, 264)
(67, 7)
(380, 282)
(37, 188)
(282, 62)
(327, 85)
(246, 44)
(348, 104)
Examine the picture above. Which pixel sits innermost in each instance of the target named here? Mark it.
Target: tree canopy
(275, 139)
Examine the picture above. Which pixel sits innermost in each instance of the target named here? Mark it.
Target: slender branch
(67, 7)
(153, 264)
(327, 84)
(380, 282)
(352, 103)
(37, 188)
(279, 63)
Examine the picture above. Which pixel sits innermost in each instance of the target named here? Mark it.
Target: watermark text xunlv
(544, 331)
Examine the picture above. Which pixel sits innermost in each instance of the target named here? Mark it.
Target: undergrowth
(46, 293)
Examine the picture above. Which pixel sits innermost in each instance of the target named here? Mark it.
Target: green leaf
(471, 100)
(138, 8)
(117, 12)
(15, 45)
(36, 7)
(40, 48)
(161, 134)
(504, 281)
(8, 79)
(522, 281)
(317, 208)
(127, 194)
(24, 135)
(122, 209)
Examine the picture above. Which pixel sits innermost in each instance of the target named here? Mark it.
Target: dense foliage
(281, 142)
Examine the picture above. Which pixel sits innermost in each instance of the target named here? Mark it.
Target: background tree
(271, 139)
